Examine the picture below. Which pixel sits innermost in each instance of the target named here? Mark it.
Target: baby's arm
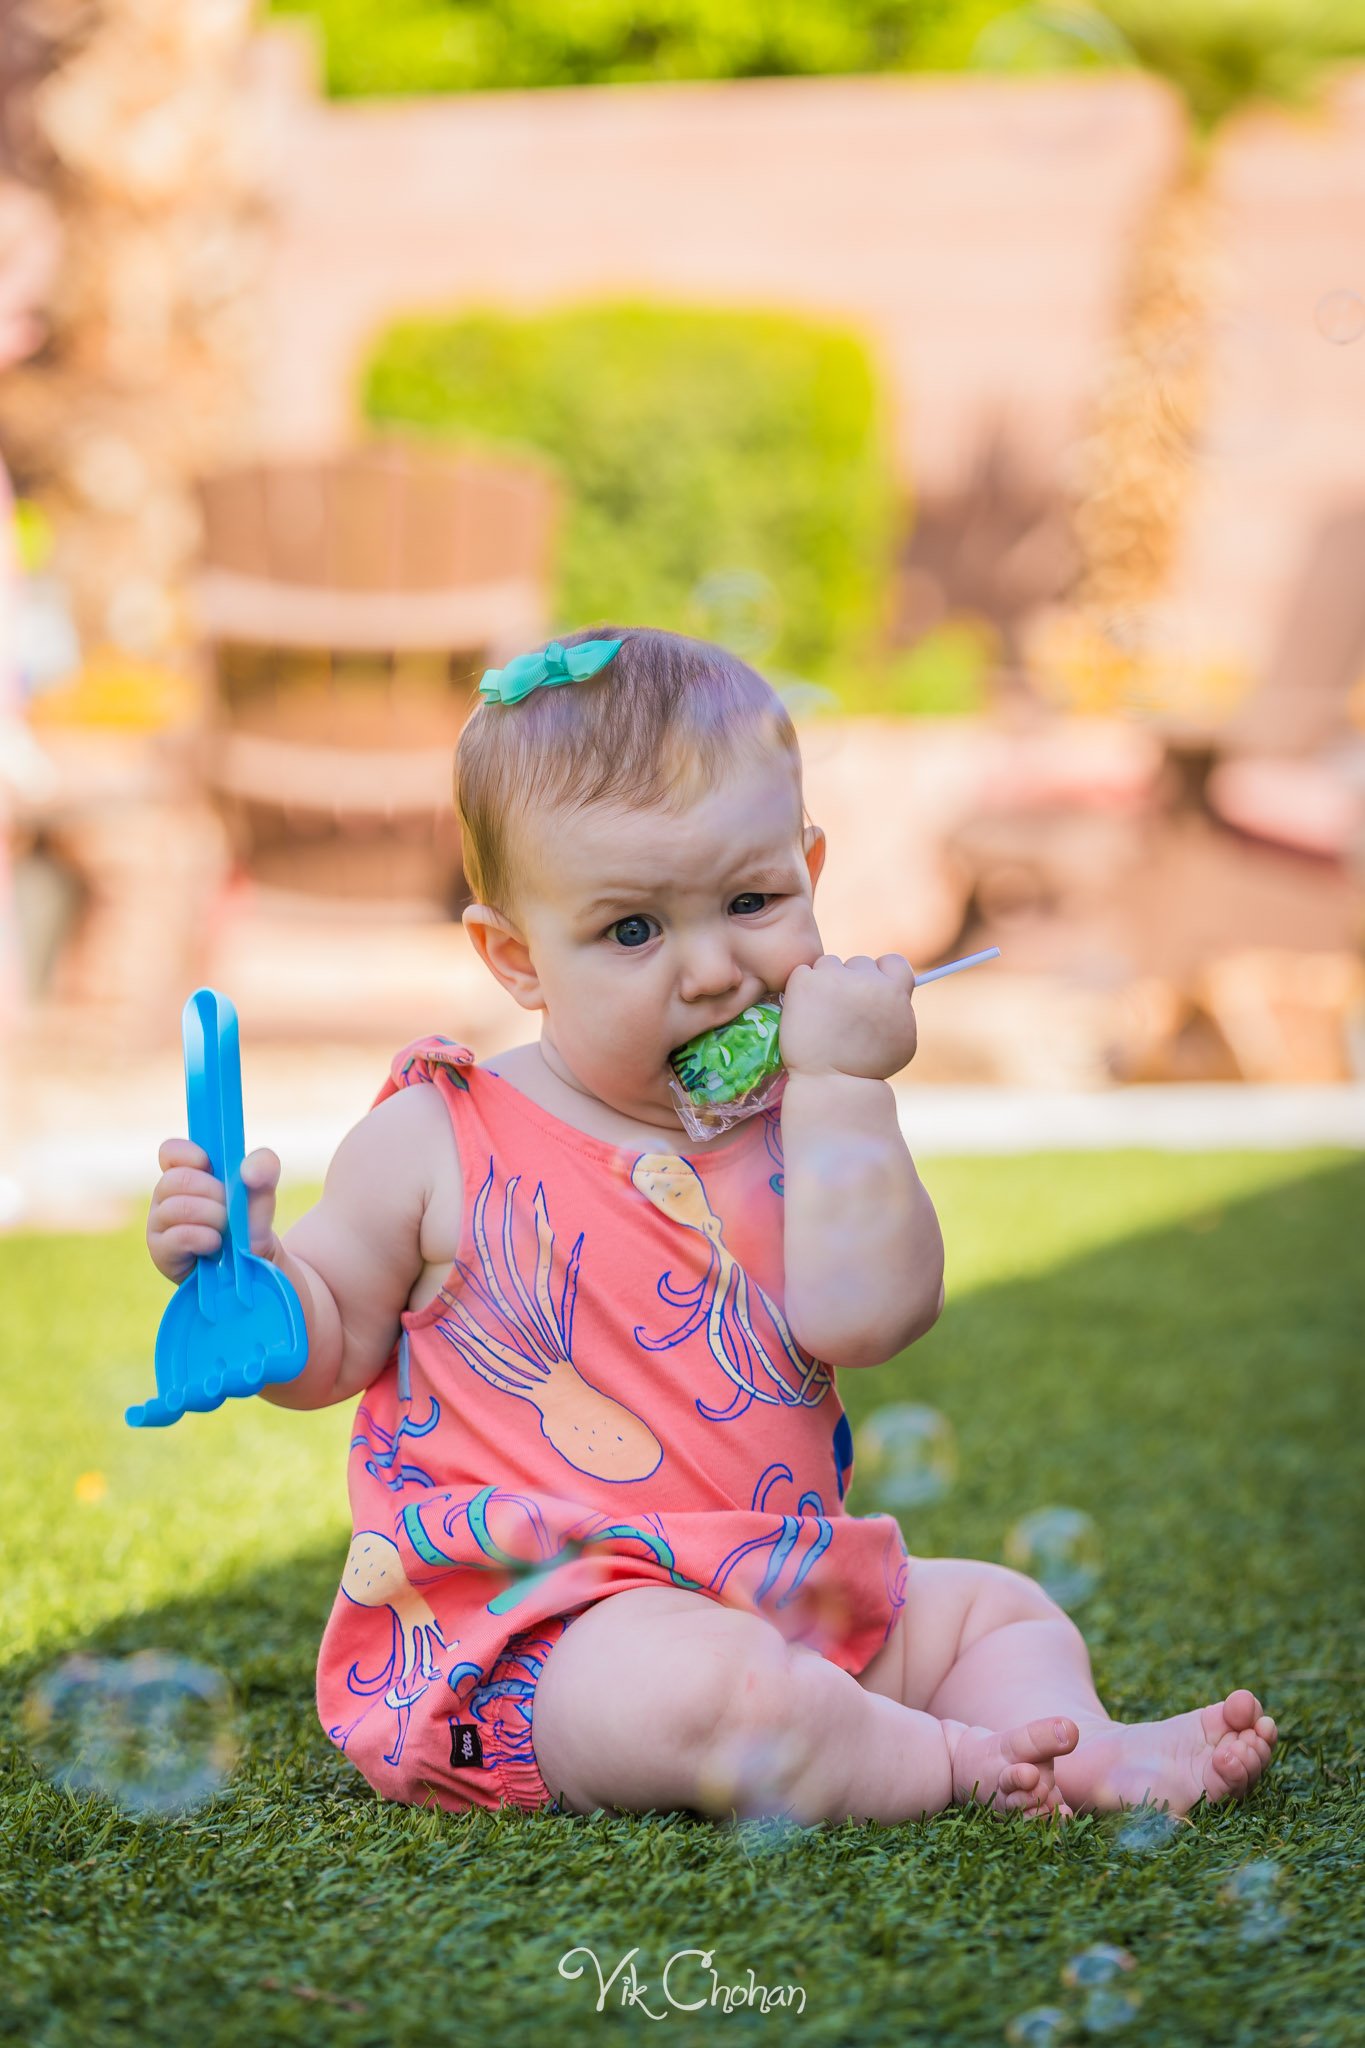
(862, 1244)
(863, 1248)
(352, 1260)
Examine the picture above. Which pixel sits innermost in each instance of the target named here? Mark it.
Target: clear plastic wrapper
(722, 1076)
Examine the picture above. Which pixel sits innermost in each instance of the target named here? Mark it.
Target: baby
(597, 1473)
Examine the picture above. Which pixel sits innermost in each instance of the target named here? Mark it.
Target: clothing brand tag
(466, 1744)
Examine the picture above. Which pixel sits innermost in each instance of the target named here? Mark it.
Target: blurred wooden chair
(346, 608)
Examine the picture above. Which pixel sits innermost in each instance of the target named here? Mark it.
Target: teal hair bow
(552, 665)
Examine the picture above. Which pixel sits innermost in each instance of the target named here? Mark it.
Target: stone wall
(980, 232)
(976, 232)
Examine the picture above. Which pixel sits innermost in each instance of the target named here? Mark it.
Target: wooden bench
(346, 608)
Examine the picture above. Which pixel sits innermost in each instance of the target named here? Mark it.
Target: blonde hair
(651, 728)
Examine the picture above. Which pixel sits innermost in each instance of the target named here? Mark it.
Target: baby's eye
(631, 932)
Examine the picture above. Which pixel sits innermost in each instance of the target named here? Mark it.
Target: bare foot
(1214, 1752)
(1010, 1770)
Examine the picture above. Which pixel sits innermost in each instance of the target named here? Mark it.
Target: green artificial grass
(1170, 1343)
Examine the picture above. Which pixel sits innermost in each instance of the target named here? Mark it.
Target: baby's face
(646, 927)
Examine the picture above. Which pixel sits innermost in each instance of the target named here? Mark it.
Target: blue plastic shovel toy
(234, 1324)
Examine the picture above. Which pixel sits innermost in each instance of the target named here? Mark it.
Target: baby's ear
(813, 848)
(504, 953)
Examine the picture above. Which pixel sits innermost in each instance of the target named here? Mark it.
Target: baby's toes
(1030, 1805)
(1267, 1730)
(1241, 1709)
(1033, 1789)
(1228, 1765)
(1021, 1778)
(1257, 1756)
(1035, 1800)
(1046, 1801)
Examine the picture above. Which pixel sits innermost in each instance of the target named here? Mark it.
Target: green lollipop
(729, 1062)
(729, 1073)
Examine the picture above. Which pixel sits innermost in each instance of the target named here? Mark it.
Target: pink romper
(604, 1394)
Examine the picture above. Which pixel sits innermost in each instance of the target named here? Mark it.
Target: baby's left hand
(849, 1017)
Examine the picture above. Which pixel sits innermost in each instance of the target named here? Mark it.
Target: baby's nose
(709, 969)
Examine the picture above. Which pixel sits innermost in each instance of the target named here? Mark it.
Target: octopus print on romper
(604, 1394)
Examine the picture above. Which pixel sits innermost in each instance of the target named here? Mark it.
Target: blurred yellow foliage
(112, 689)
(1079, 666)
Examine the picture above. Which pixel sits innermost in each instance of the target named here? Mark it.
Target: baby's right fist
(189, 1207)
(189, 1210)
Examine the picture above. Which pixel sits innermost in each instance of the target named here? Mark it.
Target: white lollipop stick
(956, 966)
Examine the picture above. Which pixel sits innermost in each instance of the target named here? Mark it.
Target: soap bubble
(1265, 1912)
(749, 1773)
(1340, 317)
(907, 1455)
(1102, 1964)
(815, 712)
(152, 1732)
(1039, 2028)
(1109, 2007)
(1101, 1972)
(1147, 1829)
(804, 700)
(819, 1616)
(1253, 1884)
(1060, 1548)
(765, 1837)
(738, 609)
(1263, 1924)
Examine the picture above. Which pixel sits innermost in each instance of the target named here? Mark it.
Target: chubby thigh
(950, 1603)
(644, 1691)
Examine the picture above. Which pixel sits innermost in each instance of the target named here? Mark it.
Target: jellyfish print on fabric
(772, 1138)
(503, 1704)
(384, 1453)
(801, 1539)
(384, 1447)
(449, 1531)
(374, 1577)
(467, 1541)
(531, 1358)
(720, 1299)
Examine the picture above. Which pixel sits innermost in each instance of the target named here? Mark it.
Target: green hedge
(715, 463)
(399, 46)
(1218, 53)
